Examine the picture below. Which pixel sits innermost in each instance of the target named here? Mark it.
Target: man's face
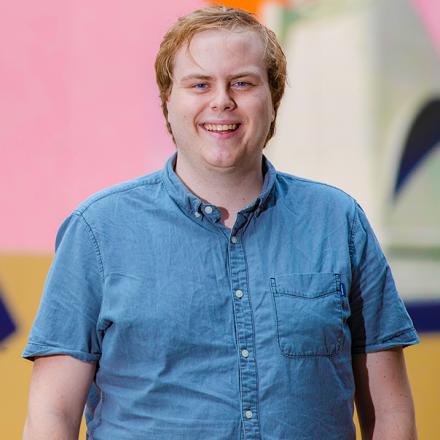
(220, 107)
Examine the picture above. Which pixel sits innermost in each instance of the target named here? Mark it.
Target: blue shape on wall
(7, 325)
(425, 315)
(423, 137)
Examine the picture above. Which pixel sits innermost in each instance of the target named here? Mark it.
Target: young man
(218, 298)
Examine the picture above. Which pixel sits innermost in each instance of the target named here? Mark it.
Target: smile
(220, 127)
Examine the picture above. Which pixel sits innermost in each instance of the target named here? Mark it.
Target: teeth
(220, 127)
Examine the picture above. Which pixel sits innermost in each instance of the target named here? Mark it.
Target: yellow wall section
(423, 363)
(22, 279)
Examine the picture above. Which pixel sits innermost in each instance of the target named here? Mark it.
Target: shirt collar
(191, 203)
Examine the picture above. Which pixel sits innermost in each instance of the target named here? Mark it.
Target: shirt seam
(386, 339)
(95, 243)
(62, 349)
(351, 239)
(313, 182)
(126, 187)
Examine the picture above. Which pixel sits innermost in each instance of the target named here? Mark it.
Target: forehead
(221, 48)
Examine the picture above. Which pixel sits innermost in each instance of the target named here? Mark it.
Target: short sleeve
(66, 322)
(379, 319)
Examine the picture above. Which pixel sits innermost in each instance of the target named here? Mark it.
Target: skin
(383, 396)
(221, 77)
(57, 395)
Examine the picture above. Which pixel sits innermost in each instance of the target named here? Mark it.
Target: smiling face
(220, 107)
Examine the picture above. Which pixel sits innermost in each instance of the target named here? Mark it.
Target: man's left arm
(383, 396)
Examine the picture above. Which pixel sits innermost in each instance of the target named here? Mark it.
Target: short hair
(219, 17)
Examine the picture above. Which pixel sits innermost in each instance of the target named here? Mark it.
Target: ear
(168, 94)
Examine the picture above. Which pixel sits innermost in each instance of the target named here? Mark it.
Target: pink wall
(78, 108)
(429, 11)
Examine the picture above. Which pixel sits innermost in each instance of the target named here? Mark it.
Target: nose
(222, 100)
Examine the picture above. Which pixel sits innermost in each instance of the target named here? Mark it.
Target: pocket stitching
(340, 336)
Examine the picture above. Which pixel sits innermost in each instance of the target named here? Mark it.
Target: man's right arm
(58, 393)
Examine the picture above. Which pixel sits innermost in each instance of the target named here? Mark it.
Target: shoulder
(313, 195)
(121, 195)
(120, 202)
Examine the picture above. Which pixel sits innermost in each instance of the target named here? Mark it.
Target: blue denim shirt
(201, 332)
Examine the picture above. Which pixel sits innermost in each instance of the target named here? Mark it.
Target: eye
(241, 84)
(200, 86)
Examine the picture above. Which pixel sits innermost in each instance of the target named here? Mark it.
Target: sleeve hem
(401, 339)
(33, 350)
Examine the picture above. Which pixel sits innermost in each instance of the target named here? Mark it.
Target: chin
(222, 159)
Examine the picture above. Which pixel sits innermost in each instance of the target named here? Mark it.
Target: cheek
(181, 120)
(260, 104)
(173, 106)
(184, 109)
(262, 113)
(174, 115)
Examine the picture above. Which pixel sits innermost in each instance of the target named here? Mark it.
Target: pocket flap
(306, 285)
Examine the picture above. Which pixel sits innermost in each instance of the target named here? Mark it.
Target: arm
(383, 396)
(57, 396)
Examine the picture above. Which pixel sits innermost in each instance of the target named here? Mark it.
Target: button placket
(245, 339)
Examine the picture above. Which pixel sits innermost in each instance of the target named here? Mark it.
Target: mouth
(220, 128)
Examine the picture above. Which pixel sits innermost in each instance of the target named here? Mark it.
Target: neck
(229, 189)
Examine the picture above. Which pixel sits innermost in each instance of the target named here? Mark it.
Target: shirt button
(197, 214)
(239, 293)
(245, 353)
(208, 209)
(248, 414)
(234, 239)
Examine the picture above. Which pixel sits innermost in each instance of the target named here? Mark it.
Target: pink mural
(429, 11)
(79, 108)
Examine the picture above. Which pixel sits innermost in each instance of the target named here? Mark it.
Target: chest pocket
(309, 309)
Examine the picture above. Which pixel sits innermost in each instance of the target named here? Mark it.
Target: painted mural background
(79, 111)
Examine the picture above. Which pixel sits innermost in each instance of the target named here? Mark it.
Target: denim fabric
(201, 332)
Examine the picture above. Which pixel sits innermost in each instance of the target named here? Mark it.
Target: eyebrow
(196, 76)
